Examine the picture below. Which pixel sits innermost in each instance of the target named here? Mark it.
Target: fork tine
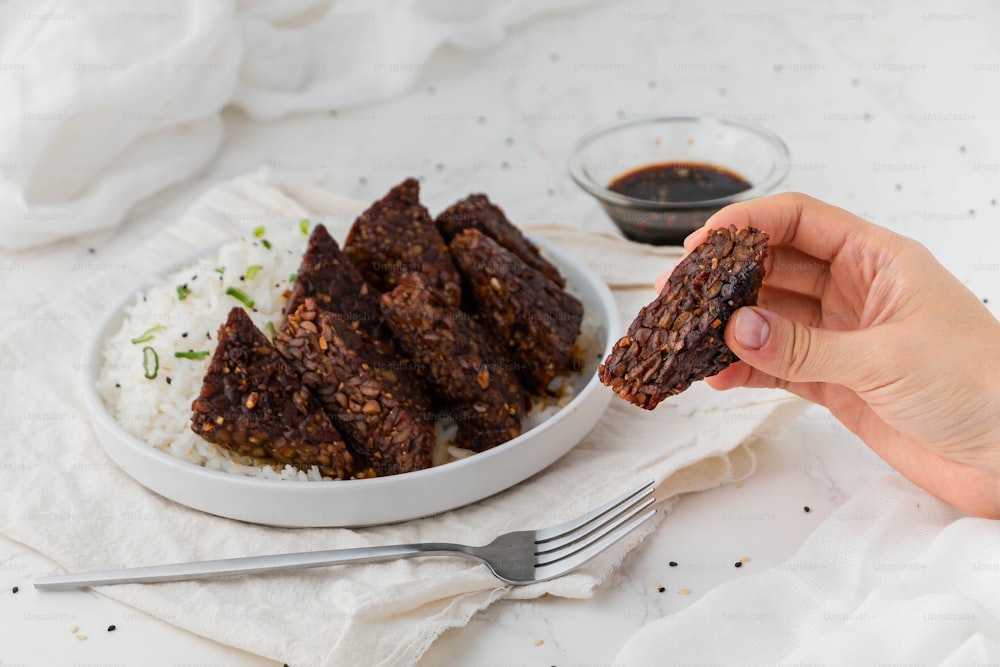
(560, 566)
(550, 551)
(597, 526)
(546, 534)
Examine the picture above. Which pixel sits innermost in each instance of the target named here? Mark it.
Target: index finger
(793, 219)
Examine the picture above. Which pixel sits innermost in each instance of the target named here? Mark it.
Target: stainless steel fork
(521, 557)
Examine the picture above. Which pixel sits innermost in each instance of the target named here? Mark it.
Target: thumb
(792, 351)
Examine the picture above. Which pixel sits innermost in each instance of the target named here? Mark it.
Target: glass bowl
(756, 154)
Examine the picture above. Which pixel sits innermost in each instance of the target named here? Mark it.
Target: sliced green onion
(150, 362)
(191, 354)
(292, 277)
(182, 292)
(253, 270)
(258, 231)
(220, 270)
(304, 226)
(240, 296)
(265, 243)
(270, 329)
(147, 335)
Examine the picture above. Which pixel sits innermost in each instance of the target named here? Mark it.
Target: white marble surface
(889, 109)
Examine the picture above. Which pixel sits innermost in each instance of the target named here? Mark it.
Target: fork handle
(247, 565)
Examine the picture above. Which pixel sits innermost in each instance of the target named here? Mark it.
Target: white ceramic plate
(367, 501)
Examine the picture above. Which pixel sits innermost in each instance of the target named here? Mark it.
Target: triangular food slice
(253, 403)
(396, 235)
(539, 321)
(361, 390)
(468, 368)
(328, 276)
(679, 338)
(478, 212)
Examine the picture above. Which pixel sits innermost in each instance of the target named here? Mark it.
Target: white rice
(158, 410)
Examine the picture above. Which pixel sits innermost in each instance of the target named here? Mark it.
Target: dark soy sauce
(678, 182)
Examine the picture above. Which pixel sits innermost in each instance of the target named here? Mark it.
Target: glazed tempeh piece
(478, 212)
(679, 337)
(389, 428)
(396, 235)
(539, 321)
(253, 403)
(464, 364)
(327, 275)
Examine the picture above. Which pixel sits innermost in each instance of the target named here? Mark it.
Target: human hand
(867, 323)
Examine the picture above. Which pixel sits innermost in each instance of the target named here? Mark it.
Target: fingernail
(751, 329)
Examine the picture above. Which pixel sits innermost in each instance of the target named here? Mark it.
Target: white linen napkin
(107, 103)
(61, 495)
(894, 576)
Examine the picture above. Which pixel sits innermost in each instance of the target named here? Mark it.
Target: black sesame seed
(961, 149)
(806, 509)
(738, 563)
(169, 380)
(985, 300)
(673, 563)
(15, 589)
(661, 589)
(118, 385)
(208, 335)
(242, 277)
(91, 250)
(112, 627)
(184, 335)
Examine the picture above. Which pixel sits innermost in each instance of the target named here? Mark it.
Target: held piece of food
(539, 321)
(360, 389)
(679, 337)
(253, 404)
(478, 212)
(464, 364)
(328, 276)
(396, 235)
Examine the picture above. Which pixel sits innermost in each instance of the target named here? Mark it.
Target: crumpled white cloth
(106, 103)
(894, 576)
(61, 495)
